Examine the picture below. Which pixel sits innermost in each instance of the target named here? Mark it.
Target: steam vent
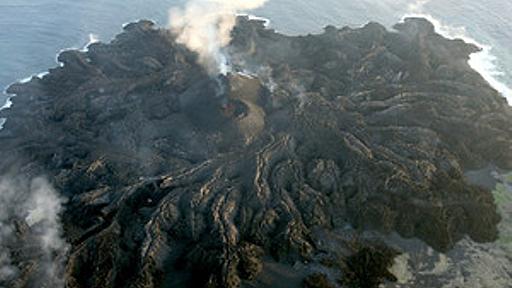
(312, 164)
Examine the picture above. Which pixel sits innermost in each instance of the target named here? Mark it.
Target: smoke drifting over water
(484, 62)
(30, 233)
(204, 26)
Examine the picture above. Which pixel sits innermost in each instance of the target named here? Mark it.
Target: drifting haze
(204, 26)
(30, 227)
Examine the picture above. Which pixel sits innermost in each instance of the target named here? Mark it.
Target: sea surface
(32, 32)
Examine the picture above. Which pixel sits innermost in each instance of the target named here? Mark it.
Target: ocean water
(33, 32)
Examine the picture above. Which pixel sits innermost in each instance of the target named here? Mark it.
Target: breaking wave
(484, 62)
(93, 38)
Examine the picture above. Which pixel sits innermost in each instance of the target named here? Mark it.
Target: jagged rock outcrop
(175, 182)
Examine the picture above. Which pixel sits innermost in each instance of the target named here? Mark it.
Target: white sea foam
(8, 104)
(8, 101)
(93, 38)
(484, 62)
(29, 78)
(266, 21)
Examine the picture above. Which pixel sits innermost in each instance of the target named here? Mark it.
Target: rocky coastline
(175, 178)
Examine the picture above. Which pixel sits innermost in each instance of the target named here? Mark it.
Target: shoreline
(321, 154)
(8, 96)
(482, 62)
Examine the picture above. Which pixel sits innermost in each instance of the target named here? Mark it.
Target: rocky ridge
(175, 181)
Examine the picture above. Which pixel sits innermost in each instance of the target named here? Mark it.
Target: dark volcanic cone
(171, 186)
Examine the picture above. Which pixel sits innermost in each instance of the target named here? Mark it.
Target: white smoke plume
(204, 26)
(30, 232)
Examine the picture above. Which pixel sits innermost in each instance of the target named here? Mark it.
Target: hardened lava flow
(320, 140)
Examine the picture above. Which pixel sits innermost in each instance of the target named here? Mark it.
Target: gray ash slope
(173, 184)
